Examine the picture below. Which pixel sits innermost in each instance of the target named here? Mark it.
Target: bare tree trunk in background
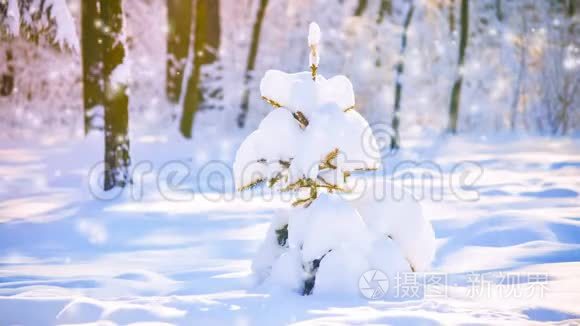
(362, 5)
(7, 80)
(386, 8)
(456, 91)
(451, 16)
(179, 19)
(395, 140)
(521, 74)
(252, 61)
(498, 10)
(117, 158)
(92, 60)
(566, 102)
(205, 48)
(570, 82)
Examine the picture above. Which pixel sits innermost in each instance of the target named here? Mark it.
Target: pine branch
(301, 119)
(298, 115)
(274, 180)
(312, 270)
(365, 169)
(332, 187)
(272, 102)
(326, 183)
(300, 183)
(252, 185)
(327, 163)
(304, 201)
(307, 183)
(313, 192)
(285, 164)
(346, 174)
(312, 186)
(313, 70)
(282, 236)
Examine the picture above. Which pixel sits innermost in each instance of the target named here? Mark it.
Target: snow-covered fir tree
(312, 144)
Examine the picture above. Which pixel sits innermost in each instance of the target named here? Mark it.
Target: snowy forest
(147, 146)
(468, 66)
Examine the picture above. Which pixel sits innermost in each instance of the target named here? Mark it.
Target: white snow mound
(387, 209)
(330, 222)
(347, 239)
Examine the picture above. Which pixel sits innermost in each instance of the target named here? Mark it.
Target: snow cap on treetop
(313, 34)
(313, 122)
(313, 40)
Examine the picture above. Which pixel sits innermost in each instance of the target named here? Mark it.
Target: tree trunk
(252, 61)
(362, 5)
(570, 82)
(7, 81)
(498, 10)
(92, 60)
(205, 48)
(456, 91)
(386, 8)
(451, 17)
(521, 74)
(395, 140)
(117, 159)
(179, 19)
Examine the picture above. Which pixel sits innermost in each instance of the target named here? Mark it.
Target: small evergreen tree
(310, 146)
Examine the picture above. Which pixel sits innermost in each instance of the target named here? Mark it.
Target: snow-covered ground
(509, 255)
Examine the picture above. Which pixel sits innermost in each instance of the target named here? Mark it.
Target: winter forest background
(484, 93)
(519, 67)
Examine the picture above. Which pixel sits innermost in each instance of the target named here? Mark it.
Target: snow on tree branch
(66, 34)
(38, 17)
(308, 145)
(13, 18)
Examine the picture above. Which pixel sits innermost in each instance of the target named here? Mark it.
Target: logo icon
(373, 284)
